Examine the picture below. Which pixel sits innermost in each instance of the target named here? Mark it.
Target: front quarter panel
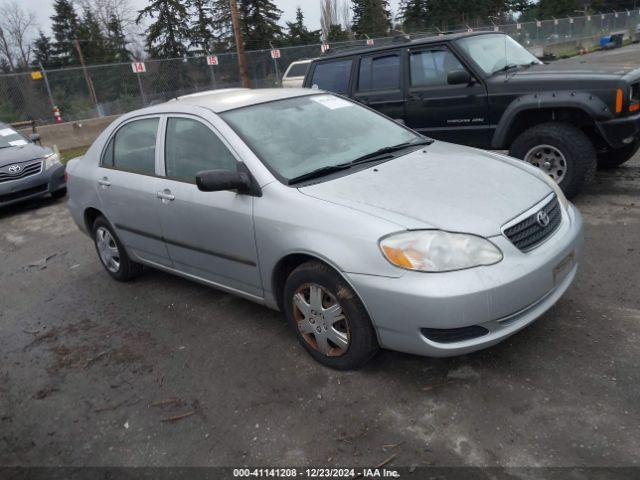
(289, 222)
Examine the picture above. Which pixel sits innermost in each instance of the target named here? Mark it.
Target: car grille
(529, 233)
(23, 193)
(28, 169)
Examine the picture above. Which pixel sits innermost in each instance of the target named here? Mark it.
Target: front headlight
(438, 251)
(51, 160)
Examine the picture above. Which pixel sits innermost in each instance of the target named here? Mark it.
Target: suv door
(209, 235)
(454, 113)
(127, 186)
(379, 83)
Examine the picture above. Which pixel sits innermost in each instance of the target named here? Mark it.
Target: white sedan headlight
(51, 160)
(438, 251)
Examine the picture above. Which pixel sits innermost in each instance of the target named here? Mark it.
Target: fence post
(144, 97)
(275, 63)
(46, 83)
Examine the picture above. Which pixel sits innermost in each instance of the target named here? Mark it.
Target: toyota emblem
(542, 218)
(14, 169)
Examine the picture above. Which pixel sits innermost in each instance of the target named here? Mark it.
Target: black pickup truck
(485, 90)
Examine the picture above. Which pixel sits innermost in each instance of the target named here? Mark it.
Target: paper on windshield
(18, 143)
(5, 132)
(332, 103)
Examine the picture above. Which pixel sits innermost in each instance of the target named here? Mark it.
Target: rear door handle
(104, 182)
(166, 195)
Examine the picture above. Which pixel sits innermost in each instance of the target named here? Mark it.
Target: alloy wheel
(108, 250)
(321, 320)
(548, 159)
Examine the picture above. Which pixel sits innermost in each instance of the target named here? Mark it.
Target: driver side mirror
(220, 180)
(459, 77)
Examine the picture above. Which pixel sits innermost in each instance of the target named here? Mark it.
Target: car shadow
(29, 206)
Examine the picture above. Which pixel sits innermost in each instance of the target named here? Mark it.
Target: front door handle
(166, 195)
(104, 182)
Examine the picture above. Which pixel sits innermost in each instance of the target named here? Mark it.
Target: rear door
(454, 113)
(333, 76)
(127, 186)
(379, 83)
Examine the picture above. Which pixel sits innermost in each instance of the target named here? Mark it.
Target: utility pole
(242, 61)
(87, 78)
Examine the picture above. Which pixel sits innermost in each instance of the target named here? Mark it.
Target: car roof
(226, 99)
(395, 45)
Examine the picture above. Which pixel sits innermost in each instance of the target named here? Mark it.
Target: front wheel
(614, 158)
(562, 151)
(328, 318)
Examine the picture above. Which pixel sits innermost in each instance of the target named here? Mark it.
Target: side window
(107, 155)
(192, 147)
(380, 73)
(430, 68)
(134, 147)
(333, 76)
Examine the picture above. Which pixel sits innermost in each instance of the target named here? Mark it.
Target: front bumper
(621, 132)
(501, 298)
(34, 186)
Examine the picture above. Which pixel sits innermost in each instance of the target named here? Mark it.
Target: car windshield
(10, 138)
(299, 135)
(297, 70)
(494, 53)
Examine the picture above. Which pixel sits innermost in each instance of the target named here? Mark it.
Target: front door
(208, 234)
(379, 84)
(453, 113)
(127, 186)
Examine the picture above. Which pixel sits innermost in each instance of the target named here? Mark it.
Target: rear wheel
(562, 151)
(328, 318)
(615, 158)
(112, 254)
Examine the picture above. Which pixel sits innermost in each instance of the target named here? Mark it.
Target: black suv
(485, 90)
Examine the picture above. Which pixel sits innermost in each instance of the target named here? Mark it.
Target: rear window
(298, 70)
(333, 76)
(379, 73)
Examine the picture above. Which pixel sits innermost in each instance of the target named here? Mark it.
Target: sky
(311, 8)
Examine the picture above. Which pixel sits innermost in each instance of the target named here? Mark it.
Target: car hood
(562, 70)
(443, 186)
(23, 153)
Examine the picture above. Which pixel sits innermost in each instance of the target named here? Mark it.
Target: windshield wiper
(506, 68)
(379, 154)
(319, 172)
(382, 152)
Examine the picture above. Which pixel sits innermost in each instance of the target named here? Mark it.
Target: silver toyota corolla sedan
(365, 233)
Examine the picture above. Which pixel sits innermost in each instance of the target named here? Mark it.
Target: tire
(58, 194)
(579, 154)
(361, 341)
(126, 269)
(614, 158)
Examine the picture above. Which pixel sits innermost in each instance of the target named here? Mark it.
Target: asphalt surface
(165, 372)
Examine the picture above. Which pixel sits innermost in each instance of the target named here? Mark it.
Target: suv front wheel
(562, 151)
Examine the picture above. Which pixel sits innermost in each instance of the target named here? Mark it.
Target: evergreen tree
(65, 31)
(371, 17)
(201, 36)
(298, 32)
(166, 36)
(259, 20)
(337, 34)
(117, 41)
(42, 50)
(258, 24)
(557, 8)
(91, 39)
(414, 15)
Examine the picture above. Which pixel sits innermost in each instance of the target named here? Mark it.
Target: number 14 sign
(138, 67)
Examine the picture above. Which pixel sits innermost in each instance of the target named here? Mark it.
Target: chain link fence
(117, 89)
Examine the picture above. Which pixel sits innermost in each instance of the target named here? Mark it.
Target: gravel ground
(164, 372)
